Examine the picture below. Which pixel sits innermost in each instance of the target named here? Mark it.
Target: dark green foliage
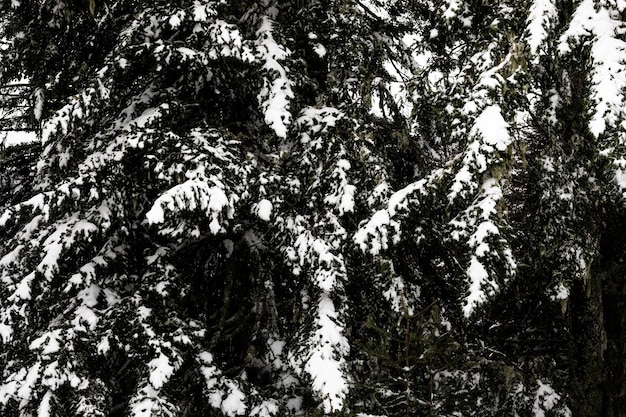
(342, 208)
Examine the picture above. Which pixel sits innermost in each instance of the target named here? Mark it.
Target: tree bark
(614, 355)
(613, 274)
(598, 333)
(587, 348)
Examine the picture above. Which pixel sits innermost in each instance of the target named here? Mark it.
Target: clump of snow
(373, 237)
(44, 405)
(492, 127)
(545, 399)
(542, 12)
(176, 19)
(608, 52)
(219, 387)
(233, 404)
(263, 209)
(276, 92)
(28, 381)
(319, 49)
(48, 343)
(326, 362)
(452, 9)
(265, 409)
(148, 402)
(478, 223)
(561, 293)
(343, 196)
(160, 371)
(39, 102)
(318, 120)
(193, 194)
(620, 177)
(478, 277)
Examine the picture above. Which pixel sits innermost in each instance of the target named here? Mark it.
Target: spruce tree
(341, 207)
(185, 243)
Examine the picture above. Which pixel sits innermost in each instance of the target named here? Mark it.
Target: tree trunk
(598, 312)
(587, 348)
(613, 276)
(614, 355)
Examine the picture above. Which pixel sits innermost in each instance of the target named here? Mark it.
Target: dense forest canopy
(346, 207)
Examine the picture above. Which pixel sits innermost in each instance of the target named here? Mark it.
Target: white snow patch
(620, 177)
(32, 376)
(147, 403)
(160, 371)
(176, 19)
(49, 342)
(478, 278)
(22, 290)
(10, 138)
(193, 194)
(562, 293)
(233, 404)
(275, 94)
(6, 332)
(454, 6)
(265, 409)
(541, 13)
(44, 405)
(373, 236)
(492, 127)
(609, 60)
(545, 399)
(326, 362)
(263, 210)
(319, 50)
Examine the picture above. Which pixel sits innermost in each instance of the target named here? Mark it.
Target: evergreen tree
(315, 207)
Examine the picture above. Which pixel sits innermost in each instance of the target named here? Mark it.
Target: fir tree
(317, 207)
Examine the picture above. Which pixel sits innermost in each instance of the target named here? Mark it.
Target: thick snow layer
(542, 12)
(478, 277)
(326, 362)
(17, 137)
(160, 371)
(609, 60)
(492, 127)
(44, 405)
(263, 210)
(276, 92)
(194, 194)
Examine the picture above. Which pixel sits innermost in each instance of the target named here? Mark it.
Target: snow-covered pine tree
(186, 243)
(315, 207)
(573, 190)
